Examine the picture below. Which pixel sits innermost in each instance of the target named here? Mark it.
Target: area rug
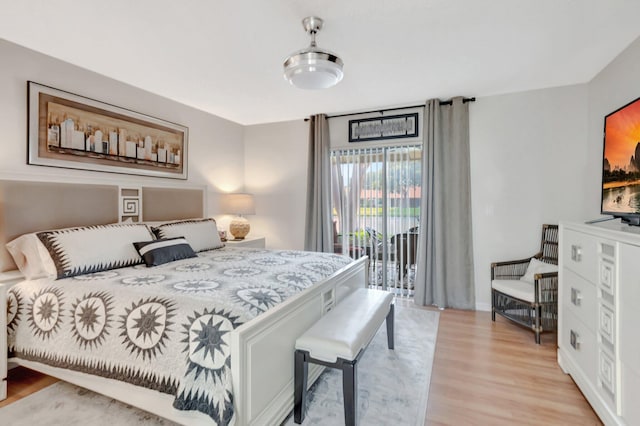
(393, 386)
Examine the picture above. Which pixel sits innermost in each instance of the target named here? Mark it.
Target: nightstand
(7, 279)
(254, 242)
(3, 342)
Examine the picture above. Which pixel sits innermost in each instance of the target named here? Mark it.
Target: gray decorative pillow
(159, 252)
(201, 234)
(83, 250)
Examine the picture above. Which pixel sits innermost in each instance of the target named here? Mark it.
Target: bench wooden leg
(300, 386)
(350, 391)
(390, 337)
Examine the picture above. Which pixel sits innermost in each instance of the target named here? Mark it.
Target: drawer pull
(574, 339)
(576, 253)
(576, 298)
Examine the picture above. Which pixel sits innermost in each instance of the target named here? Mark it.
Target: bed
(258, 318)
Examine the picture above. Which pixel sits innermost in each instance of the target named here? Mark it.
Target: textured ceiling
(225, 57)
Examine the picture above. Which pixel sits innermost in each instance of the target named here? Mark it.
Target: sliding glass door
(375, 195)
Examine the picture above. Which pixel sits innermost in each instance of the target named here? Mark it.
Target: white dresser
(599, 316)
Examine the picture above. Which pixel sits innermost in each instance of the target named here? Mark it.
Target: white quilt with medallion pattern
(164, 328)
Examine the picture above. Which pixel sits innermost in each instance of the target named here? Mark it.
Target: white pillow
(201, 234)
(537, 267)
(31, 257)
(77, 251)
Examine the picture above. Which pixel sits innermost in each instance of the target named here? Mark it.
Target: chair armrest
(511, 269)
(546, 287)
(545, 275)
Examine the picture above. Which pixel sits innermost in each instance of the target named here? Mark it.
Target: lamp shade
(238, 204)
(313, 68)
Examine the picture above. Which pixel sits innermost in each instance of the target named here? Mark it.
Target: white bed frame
(262, 352)
(262, 349)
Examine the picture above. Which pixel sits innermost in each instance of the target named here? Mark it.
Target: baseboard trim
(483, 306)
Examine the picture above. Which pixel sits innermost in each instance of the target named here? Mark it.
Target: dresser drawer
(580, 344)
(580, 254)
(579, 297)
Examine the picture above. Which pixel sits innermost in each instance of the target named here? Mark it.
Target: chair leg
(538, 311)
(300, 386)
(390, 327)
(350, 392)
(493, 306)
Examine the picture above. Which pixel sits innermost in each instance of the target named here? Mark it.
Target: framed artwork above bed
(72, 131)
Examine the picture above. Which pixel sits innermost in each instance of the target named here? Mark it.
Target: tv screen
(621, 163)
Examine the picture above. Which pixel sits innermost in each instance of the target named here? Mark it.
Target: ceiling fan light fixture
(312, 67)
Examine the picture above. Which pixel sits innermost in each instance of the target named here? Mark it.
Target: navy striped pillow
(158, 252)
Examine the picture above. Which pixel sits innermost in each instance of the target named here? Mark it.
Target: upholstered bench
(338, 340)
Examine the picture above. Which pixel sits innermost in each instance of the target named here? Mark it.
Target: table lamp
(239, 204)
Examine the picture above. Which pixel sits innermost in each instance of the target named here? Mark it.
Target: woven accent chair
(532, 304)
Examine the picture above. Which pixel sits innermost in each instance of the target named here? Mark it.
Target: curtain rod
(465, 100)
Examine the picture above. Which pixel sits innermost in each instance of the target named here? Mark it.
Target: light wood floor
(488, 373)
(484, 373)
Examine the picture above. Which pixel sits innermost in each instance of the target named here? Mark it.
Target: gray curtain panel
(319, 228)
(444, 275)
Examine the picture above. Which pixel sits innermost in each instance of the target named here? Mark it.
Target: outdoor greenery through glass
(376, 196)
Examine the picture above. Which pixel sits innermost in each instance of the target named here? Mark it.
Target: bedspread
(165, 328)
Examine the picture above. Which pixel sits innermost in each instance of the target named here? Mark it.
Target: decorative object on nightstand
(239, 204)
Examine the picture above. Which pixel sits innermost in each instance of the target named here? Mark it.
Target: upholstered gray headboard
(171, 203)
(27, 206)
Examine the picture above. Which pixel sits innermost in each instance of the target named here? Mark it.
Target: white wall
(529, 162)
(216, 152)
(535, 156)
(528, 158)
(276, 172)
(615, 86)
(558, 130)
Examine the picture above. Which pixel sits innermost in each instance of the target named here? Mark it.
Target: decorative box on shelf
(250, 241)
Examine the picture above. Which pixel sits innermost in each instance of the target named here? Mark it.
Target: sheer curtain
(444, 276)
(319, 229)
(375, 193)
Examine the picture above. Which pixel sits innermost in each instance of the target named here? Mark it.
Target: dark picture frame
(72, 131)
(399, 126)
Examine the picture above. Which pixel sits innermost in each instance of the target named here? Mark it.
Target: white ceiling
(225, 56)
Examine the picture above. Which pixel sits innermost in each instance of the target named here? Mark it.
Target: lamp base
(239, 227)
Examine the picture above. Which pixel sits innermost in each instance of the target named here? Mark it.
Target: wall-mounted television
(621, 163)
